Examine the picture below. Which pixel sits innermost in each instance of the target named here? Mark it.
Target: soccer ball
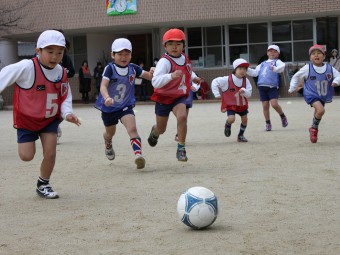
(197, 207)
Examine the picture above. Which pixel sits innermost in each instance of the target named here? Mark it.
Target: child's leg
(228, 123)
(243, 126)
(26, 151)
(265, 106)
(319, 111)
(49, 145)
(129, 121)
(176, 136)
(180, 112)
(108, 134)
(275, 104)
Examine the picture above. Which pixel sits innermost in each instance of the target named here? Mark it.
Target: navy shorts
(231, 112)
(25, 136)
(165, 109)
(112, 118)
(268, 93)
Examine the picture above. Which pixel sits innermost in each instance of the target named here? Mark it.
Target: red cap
(317, 47)
(174, 34)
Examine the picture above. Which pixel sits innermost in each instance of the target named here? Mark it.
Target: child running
(42, 97)
(117, 98)
(268, 84)
(319, 79)
(236, 88)
(172, 82)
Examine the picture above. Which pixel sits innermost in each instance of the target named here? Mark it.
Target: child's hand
(272, 66)
(176, 74)
(224, 110)
(108, 101)
(197, 80)
(241, 91)
(152, 70)
(194, 87)
(73, 119)
(334, 84)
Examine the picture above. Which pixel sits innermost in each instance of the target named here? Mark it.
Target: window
(327, 33)
(206, 46)
(80, 51)
(248, 41)
(294, 39)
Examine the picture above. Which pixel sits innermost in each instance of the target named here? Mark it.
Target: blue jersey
(267, 76)
(120, 88)
(318, 86)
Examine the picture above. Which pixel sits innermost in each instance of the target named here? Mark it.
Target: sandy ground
(278, 193)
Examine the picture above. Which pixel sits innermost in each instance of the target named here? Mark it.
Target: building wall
(89, 18)
(91, 14)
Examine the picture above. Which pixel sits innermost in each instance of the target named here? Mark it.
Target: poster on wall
(121, 7)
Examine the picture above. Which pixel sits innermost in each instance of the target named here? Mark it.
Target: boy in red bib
(42, 98)
(172, 82)
(236, 89)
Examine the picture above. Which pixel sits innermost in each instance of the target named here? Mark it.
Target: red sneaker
(313, 135)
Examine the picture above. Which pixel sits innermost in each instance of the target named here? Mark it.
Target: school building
(217, 31)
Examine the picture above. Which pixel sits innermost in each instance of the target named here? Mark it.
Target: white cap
(240, 62)
(274, 47)
(121, 44)
(51, 37)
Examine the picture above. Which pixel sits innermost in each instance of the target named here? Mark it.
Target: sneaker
(109, 152)
(227, 130)
(140, 161)
(313, 132)
(152, 140)
(268, 127)
(242, 139)
(46, 191)
(181, 155)
(176, 137)
(59, 133)
(284, 122)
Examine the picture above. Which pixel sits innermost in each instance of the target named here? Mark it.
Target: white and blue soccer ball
(197, 207)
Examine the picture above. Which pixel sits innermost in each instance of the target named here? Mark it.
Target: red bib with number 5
(38, 106)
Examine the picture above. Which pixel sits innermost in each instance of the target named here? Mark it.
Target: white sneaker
(46, 191)
(140, 161)
(109, 152)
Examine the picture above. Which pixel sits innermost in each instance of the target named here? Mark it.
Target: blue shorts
(267, 93)
(190, 98)
(112, 118)
(165, 109)
(25, 136)
(231, 112)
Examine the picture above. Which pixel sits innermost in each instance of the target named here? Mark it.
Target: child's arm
(105, 93)
(196, 82)
(66, 109)
(246, 92)
(298, 77)
(336, 81)
(21, 73)
(279, 68)
(162, 75)
(254, 72)
(148, 75)
(219, 83)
